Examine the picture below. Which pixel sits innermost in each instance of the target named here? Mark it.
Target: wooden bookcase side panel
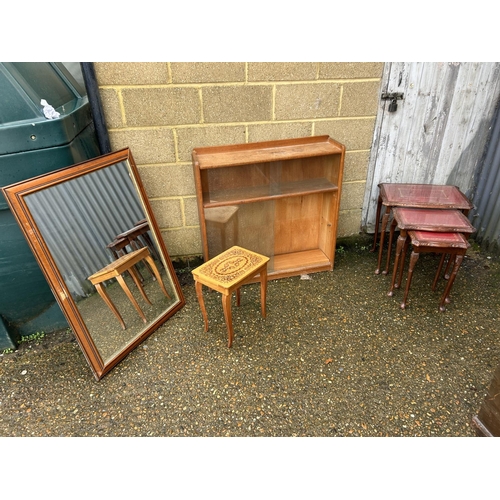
(328, 225)
(198, 183)
(337, 170)
(331, 206)
(334, 216)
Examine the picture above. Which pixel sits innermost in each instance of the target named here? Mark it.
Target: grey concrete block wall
(163, 110)
(311, 100)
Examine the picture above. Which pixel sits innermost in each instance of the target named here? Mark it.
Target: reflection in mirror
(97, 230)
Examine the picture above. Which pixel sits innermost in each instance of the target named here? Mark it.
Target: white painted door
(439, 131)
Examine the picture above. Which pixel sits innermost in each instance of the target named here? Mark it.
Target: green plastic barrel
(30, 145)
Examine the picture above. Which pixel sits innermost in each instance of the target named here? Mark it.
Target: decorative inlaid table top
(230, 268)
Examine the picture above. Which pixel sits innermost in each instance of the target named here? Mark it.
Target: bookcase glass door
(248, 225)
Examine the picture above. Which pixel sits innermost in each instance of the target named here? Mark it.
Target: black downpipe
(90, 80)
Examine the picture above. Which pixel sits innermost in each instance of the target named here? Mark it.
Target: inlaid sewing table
(226, 273)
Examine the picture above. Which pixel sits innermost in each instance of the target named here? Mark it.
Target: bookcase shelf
(267, 192)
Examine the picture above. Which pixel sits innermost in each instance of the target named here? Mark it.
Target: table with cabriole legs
(416, 196)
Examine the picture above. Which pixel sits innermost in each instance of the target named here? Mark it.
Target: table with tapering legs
(226, 273)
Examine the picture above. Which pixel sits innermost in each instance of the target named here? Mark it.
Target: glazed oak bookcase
(277, 198)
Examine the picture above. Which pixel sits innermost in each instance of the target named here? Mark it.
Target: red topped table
(423, 219)
(444, 243)
(417, 196)
(140, 229)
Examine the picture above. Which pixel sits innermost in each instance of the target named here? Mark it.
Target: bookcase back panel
(297, 223)
(233, 178)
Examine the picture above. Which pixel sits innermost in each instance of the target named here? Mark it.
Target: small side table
(226, 273)
(116, 269)
(118, 247)
(443, 243)
(416, 196)
(423, 219)
(140, 230)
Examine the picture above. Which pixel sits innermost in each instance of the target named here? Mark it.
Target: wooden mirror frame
(16, 197)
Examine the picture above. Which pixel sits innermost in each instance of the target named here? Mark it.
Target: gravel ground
(335, 357)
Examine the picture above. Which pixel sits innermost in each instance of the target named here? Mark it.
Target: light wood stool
(116, 269)
(226, 273)
(118, 247)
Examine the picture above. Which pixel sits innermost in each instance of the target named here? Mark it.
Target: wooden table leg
(127, 291)
(446, 295)
(402, 261)
(153, 267)
(102, 292)
(399, 249)
(385, 219)
(438, 272)
(413, 260)
(389, 246)
(448, 267)
(199, 294)
(152, 248)
(138, 283)
(263, 290)
(377, 221)
(226, 306)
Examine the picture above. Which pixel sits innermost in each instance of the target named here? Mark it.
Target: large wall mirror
(94, 235)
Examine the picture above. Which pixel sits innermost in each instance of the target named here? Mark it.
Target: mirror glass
(94, 235)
